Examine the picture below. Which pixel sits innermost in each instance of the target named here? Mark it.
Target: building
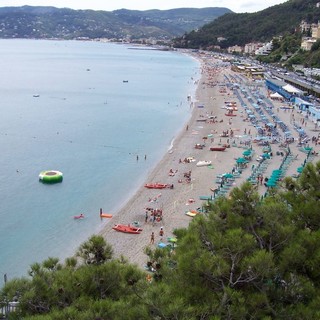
(235, 49)
(286, 90)
(307, 43)
(315, 31)
(265, 49)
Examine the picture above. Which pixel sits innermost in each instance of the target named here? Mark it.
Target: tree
(95, 251)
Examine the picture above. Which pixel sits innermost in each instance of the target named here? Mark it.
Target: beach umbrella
(271, 183)
(241, 160)
(299, 169)
(228, 175)
(277, 171)
(246, 153)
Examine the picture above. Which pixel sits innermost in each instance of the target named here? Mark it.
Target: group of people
(155, 215)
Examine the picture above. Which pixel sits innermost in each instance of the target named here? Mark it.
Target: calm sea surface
(88, 123)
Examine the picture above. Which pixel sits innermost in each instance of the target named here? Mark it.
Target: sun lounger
(205, 197)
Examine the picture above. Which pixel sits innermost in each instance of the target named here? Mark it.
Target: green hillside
(50, 22)
(239, 29)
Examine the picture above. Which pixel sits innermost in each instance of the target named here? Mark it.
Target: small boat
(230, 114)
(203, 163)
(199, 146)
(80, 216)
(125, 81)
(218, 148)
(156, 185)
(105, 215)
(127, 228)
(36, 95)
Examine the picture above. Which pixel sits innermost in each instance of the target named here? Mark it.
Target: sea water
(93, 111)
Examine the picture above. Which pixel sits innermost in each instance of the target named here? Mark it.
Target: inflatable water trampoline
(51, 176)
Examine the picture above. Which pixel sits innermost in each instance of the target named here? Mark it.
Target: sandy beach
(209, 126)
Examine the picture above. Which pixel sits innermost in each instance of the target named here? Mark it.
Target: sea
(103, 114)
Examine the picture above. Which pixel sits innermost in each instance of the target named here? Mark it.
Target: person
(161, 232)
(146, 218)
(152, 238)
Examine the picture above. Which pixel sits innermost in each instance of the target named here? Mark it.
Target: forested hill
(50, 22)
(242, 28)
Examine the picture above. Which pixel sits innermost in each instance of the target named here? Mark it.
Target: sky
(238, 6)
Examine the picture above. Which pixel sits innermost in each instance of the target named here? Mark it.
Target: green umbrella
(241, 160)
(246, 153)
(271, 183)
(228, 175)
(299, 169)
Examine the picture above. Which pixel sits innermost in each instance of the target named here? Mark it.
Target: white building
(265, 49)
(307, 43)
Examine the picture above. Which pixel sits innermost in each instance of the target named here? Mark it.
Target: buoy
(51, 176)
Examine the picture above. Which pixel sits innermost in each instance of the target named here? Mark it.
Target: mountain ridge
(50, 22)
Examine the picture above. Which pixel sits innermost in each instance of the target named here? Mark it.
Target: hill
(239, 29)
(51, 22)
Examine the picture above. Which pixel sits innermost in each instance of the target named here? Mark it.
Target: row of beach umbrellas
(275, 176)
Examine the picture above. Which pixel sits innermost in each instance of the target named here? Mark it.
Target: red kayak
(126, 228)
(156, 185)
(217, 148)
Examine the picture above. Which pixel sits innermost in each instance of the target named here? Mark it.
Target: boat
(218, 148)
(105, 215)
(80, 216)
(202, 120)
(199, 146)
(203, 163)
(230, 114)
(125, 81)
(156, 185)
(126, 228)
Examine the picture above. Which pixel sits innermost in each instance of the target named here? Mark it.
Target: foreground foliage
(246, 258)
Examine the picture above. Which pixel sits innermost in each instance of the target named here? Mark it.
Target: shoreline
(185, 196)
(170, 201)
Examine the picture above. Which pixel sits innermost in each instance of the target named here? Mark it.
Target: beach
(211, 125)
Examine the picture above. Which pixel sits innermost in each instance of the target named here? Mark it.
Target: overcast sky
(110, 5)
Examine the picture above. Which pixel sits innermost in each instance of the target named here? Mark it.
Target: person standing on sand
(146, 218)
(152, 238)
